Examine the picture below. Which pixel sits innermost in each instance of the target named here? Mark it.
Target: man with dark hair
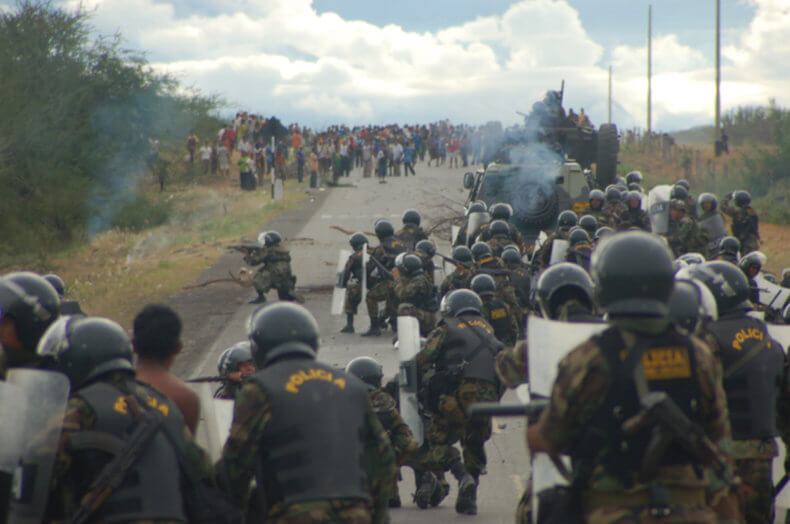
(157, 341)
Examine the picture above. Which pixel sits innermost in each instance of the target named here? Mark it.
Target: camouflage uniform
(275, 273)
(506, 325)
(415, 298)
(352, 273)
(382, 289)
(450, 423)
(603, 218)
(65, 492)
(511, 365)
(543, 254)
(613, 211)
(228, 390)
(579, 391)
(409, 235)
(683, 236)
(745, 224)
(504, 287)
(633, 218)
(251, 414)
(458, 279)
(499, 242)
(428, 266)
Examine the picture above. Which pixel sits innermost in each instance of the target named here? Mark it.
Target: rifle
(198, 380)
(382, 268)
(453, 261)
(670, 425)
(114, 473)
(247, 249)
(495, 409)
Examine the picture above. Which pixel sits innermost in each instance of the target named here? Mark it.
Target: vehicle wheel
(536, 205)
(608, 148)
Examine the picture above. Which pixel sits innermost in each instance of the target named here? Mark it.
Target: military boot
(428, 485)
(349, 327)
(374, 330)
(466, 503)
(260, 299)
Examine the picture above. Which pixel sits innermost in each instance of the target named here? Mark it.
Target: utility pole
(649, 69)
(609, 119)
(717, 124)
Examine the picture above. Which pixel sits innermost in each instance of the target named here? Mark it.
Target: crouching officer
(305, 430)
(752, 365)
(407, 451)
(234, 365)
(275, 271)
(108, 412)
(622, 473)
(461, 352)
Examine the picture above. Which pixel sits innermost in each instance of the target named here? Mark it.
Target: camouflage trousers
(266, 279)
(381, 292)
(679, 515)
(329, 511)
(749, 243)
(450, 425)
(425, 318)
(353, 297)
(756, 490)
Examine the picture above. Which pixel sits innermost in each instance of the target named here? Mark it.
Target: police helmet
(727, 282)
(589, 223)
(426, 247)
(567, 220)
(679, 205)
(511, 257)
(367, 369)
(262, 239)
(752, 263)
(478, 206)
(770, 277)
(277, 324)
(708, 198)
(480, 250)
(602, 232)
(786, 314)
(692, 258)
(729, 245)
(411, 216)
(596, 194)
(633, 275)
(785, 277)
(85, 348)
(742, 198)
(634, 177)
(384, 229)
(358, 240)
(499, 228)
(613, 194)
(636, 187)
(620, 180)
(678, 193)
(483, 284)
(31, 302)
(461, 301)
(634, 197)
(679, 266)
(231, 359)
(578, 236)
(501, 211)
(692, 305)
(411, 265)
(561, 283)
(272, 238)
(462, 254)
(57, 283)
(683, 182)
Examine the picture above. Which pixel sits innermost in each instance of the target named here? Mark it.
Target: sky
(320, 62)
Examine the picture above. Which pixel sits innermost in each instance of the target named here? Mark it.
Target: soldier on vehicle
(414, 293)
(457, 366)
(282, 412)
(352, 280)
(729, 249)
(106, 409)
(234, 365)
(411, 232)
(407, 450)
(753, 371)
(67, 306)
(497, 313)
(594, 409)
(381, 287)
(28, 306)
(745, 222)
(275, 273)
(634, 216)
(463, 273)
(565, 222)
(426, 250)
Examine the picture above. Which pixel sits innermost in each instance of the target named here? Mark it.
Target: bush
(142, 213)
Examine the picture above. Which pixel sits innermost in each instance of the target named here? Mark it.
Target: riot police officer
(579, 248)
(415, 293)
(502, 211)
(602, 382)
(728, 250)
(275, 271)
(426, 250)
(28, 306)
(634, 216)
(234, 365)
(596, 199)
(634, 177)
(352, 280)
(67, 306)
(565, 222)
(460, 355)
(497, 236)
(283, 411)
(487, 263)
(691, 202)
(752, 365)
(463, 273)
(106, 408)
(683, 234)
(380, 281)
(614, 206)
(751, 264)
(520, 276)
(475, 207)
(411, 232)
(496, 312)
(589, 223)
(745, 222)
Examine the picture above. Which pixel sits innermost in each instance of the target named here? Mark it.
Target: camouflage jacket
(633, 218)
(613, 211)
(683, 236)
(745, 221)
(458, 279)
(416, 290)
(409, 235)
(275, 258)
(401, 437)
(353, 268)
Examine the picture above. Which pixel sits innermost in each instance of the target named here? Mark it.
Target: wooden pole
(609, 119)
(717, 123)
(649, 70)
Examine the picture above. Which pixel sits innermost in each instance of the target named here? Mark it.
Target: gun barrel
(495, 409)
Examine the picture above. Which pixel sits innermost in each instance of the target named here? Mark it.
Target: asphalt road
(436, 193)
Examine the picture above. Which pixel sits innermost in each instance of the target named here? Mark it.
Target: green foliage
(142, 213)
(77, 115)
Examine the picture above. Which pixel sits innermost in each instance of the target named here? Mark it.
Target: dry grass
(119, 271)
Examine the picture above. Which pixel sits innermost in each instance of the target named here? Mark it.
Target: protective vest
(409, 235)
(353, 268)
(387, 251)
(312, 446)
(498, 316)
(152, 487)
(670, 366)
(470, 347)
(277, 255)
(752, 386)
(744, 222)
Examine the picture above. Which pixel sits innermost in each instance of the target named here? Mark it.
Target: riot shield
(559, 250)
(47, 393)
(772, 296)
(658, 208)
(454, 230)
(548, 342)
(473, 224)
(714, 226)
(339, 293)
(13, 406)
(364, 274)
(408, 347)
(216, 416)
(781, 333)
(278, 190)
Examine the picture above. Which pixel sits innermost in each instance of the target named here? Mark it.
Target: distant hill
(696, 136)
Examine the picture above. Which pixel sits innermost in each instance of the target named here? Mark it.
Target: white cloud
(281, 56)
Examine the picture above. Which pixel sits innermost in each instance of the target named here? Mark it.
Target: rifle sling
(738, 364)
